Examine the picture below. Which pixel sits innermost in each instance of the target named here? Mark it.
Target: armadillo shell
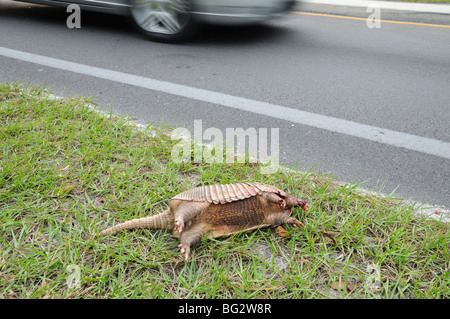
(226, 193)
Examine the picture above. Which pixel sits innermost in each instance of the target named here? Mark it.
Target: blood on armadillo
(220, 210)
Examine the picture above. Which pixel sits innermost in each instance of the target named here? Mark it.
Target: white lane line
(368, 132)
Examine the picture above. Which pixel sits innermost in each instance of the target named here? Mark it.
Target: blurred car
(175, 20)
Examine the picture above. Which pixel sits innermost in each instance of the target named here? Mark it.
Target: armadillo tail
(162, 220)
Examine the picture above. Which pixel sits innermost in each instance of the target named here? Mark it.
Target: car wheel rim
(161, 16)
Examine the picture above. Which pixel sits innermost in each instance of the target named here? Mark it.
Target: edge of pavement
(432, 13)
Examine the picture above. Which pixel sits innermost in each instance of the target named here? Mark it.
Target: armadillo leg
(191, 236)
(295, 222)
(184, 211)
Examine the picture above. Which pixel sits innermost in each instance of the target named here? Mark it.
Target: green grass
(66, 173)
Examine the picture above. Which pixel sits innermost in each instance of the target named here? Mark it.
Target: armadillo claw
(179, 227)
(295, 222)
(186, 250)
(299, 223)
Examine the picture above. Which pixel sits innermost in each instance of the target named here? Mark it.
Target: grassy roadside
(66, 173)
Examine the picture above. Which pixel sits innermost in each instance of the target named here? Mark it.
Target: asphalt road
(395, 78)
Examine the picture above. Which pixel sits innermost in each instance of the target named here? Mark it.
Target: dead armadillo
(220, 210)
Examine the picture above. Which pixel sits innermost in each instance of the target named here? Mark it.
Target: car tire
(167, 21)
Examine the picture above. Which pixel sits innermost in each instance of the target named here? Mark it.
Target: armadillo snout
(301, 203)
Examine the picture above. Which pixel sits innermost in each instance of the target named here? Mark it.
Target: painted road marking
(364, 131)
(365, 19)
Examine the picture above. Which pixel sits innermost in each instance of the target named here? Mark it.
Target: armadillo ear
(281, 194)
(282, 203)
